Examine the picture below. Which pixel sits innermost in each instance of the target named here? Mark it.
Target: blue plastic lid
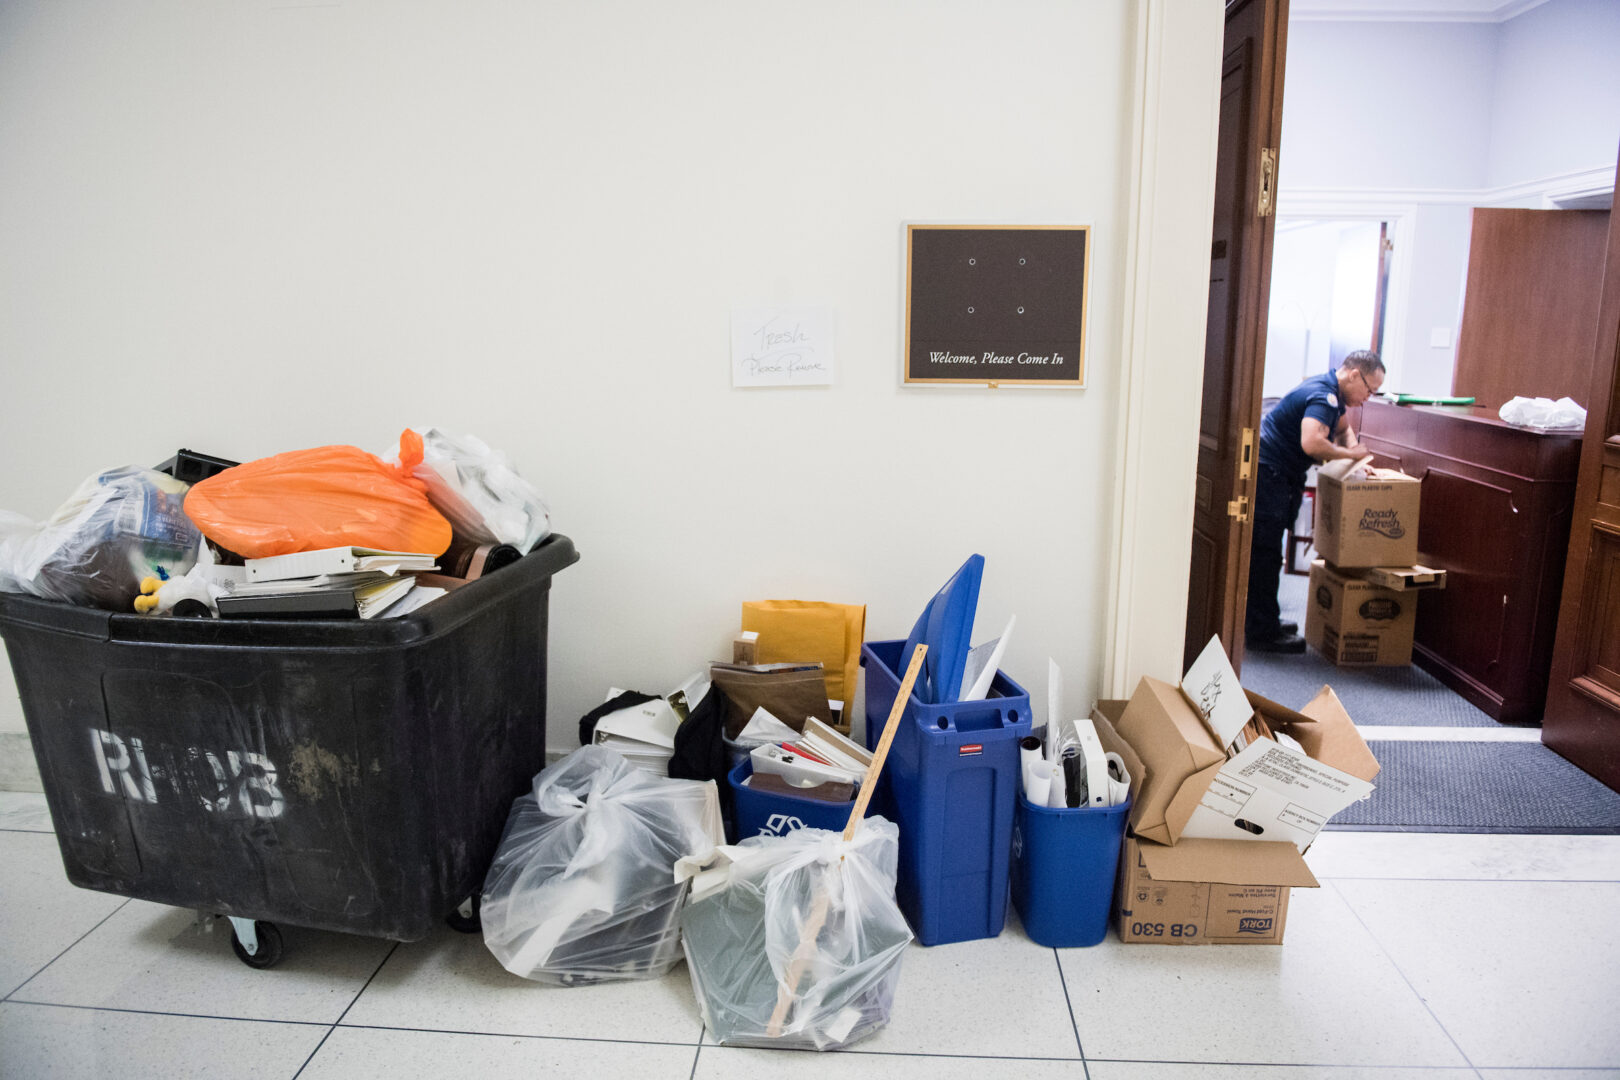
(945, 626)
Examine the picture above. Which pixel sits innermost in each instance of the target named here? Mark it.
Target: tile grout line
(59, 955)
(1406, 979)
(1069, 1004)
(345, 1012)
(159, 1012)
(697, 1053)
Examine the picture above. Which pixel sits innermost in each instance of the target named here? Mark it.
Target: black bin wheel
(269, 953)
(466, 918)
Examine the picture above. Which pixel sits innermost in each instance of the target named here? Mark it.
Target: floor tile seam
(165, 1012)
(1279, 1064)
(34, 832)
(334, 1026)
(1074, 1022)
(1399, 970)
(10, 994)
(353, 1026)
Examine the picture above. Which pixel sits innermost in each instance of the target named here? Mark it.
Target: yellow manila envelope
(804, 630)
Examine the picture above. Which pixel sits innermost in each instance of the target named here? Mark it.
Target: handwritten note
(781, 347)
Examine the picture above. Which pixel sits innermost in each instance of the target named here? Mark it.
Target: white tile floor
(1423, 955)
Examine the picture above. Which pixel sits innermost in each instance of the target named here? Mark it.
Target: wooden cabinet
(1496, 510)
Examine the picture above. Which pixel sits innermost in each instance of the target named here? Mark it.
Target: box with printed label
(1270, 788)
(1354, 622)
(1181, 896)
(1371, 522)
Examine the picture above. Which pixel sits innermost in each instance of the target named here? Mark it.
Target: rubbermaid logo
(1254, 926)
(970, 749)
(1385, 523)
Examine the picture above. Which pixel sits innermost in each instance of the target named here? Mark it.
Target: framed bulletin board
(997, 305)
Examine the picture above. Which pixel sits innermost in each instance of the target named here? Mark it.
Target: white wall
(1426, 120)
(250, 228)
(1555, 105)
(1386, 105)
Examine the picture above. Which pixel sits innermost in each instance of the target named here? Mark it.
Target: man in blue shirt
(1306, 427)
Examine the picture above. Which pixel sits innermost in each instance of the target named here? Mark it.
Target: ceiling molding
(1458, 11)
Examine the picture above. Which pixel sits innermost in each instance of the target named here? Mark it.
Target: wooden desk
(1495, 515)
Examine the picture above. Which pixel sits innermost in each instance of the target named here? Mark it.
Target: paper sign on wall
(781, 347)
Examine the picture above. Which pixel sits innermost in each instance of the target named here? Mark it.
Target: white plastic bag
(582, 888)
(479, 491)
(117, 528)
(747, 920)
(1544, 414)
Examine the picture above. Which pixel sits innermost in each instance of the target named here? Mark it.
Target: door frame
(1176, 97)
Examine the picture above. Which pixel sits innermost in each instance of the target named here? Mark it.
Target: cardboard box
(1366, 617)
(1179, 895)
(1372, 522)
(1268, 791)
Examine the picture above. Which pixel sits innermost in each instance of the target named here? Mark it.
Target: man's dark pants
(1276, 505)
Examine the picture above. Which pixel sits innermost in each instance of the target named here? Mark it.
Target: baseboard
(18, 772)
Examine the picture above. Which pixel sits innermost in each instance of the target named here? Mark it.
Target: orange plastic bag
(331, 496)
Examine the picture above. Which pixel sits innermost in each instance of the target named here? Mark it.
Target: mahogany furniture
(1495, 513)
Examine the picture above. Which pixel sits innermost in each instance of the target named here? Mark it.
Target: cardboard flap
(1333, 738)
(1104, 715)
(1404, 578)
(1229, 862)
(1187, 799)
(1172, 743)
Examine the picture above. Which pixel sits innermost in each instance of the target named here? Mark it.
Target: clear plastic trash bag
(582, 888)
(480, 492)
(747, 920)
(117, 528)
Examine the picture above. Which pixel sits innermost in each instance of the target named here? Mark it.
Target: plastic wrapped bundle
(807, 909)
(119, 527)
(582, 888)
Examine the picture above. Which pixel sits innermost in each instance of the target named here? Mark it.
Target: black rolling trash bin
(342, 775)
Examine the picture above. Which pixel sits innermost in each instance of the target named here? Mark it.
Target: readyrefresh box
(1365, 617)
(1369, 522)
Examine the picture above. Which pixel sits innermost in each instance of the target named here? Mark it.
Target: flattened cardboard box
(1354, 622)
(1153, 904)
(1267, 792)
(1372, 522)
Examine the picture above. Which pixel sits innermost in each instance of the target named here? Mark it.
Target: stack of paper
(332, 583)
(818, 755)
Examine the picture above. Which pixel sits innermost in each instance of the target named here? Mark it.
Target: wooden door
(1235, 341)
(1582, 718)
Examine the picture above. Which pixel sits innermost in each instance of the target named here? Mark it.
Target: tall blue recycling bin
(951, 784)
(776, 813)
(1065, 860)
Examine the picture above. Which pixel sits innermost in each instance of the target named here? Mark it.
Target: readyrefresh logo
(1385, 523)
(1254, 926)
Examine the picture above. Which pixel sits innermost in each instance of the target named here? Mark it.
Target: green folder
(1426, 399)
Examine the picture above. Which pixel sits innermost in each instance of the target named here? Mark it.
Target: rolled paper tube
(1058, 797)
(1029, 752)
(1038, 783)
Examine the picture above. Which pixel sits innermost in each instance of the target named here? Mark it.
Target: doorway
(1329, 292)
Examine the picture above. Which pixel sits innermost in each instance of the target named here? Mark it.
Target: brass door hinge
(1268, 181)
(1238, 509)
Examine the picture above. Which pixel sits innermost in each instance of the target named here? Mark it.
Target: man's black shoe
(1282, 643)
(1286, 628)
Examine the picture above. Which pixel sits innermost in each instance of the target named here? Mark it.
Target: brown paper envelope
(795, 630)
(790, 696)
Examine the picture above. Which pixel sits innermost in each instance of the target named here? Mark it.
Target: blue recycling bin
(951, 784)
(1064, 864)
(776, 813)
